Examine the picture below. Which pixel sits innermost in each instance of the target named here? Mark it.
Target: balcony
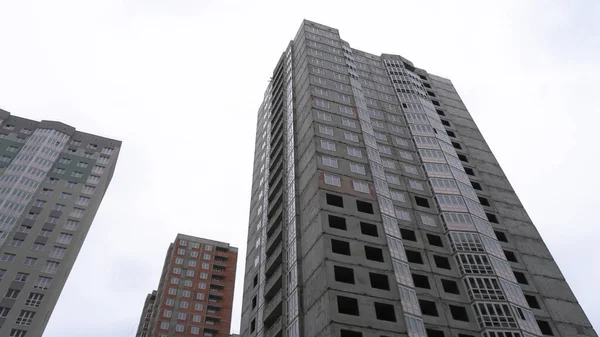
(274, 283)
(275, 220)
(273, 261)
(273, 238)
(273, 309)
(274, 330)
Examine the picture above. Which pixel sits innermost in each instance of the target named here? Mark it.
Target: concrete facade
(52, 181)
(195, 292)
(378, 209)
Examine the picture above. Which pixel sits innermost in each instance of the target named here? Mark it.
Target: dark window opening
(492, 217)
(532, 301)
(423, 77)
(334, 200)
(459, 313)
(350, 333)
(545, 328)
(435, 240)
(255, 280)
(430, 93)
(422, 202)
(456, 145)
(407, 234)
(463, 335)
(365, 207)
(442, 262)
(436, 103)
(484, 201)
(451, 133)
(337, 222)
(368, 229)
(414, 257)
(421, 281)
(520, 277)
(379, 281)
(501, 236)
(440, 112)
(450, 286)
(469, 171)
(462, 157)
(253, 325)
(434, 333)
(510, 256)
(385, 312)
(426, 85)
(476, 185)
(253, 302)
(347, 305)
(428, 308)
(373, 254)
(340, 247)
(343, 274)
(445, 122)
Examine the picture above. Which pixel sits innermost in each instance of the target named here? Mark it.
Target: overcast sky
(180, 82)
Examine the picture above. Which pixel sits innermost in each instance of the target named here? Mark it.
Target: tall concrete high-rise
(195, 292)
(379, 210)
(52, 181)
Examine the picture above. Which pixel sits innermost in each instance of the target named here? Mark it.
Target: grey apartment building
(52, 180)
(378, 210)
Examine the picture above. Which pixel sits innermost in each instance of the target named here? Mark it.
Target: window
(357, 168)
(64, 238)
(459, 313)
(408, 234)
(428, 308)
(43, 282)
(348, 123)
(322, 103)
(434, 333)
(334, 200)
(476, 185)
(385, 312)
(326, 130)
(365, 207)
(340, 247)
(416, 185)
(545, 328)
(422, 202)
(354, 152)
(379, 281)
(327, 145)
(350, 333)
(252, 325)
(435, 240)
(414, 256)
(88, 189)
(469, 171)
(24, 229)
(64, 160)
(373, 254)
(30, 261)
(16, 242)
(421, 281)
(333, 180)
(501, 236)
(337, 222)
(510, 256)
(442, 262)
(532, 302)
(492, 217)
(397, 196)
(34, 300)
(7, 257)
(46, 191)
(328, 161)
(359, 186)
(65, 195)
(343, 274)
(71, 184)
(17, 333)
(25, 317)
(12, 293)
(520, 277)
(347, 305)
(21, 277)
(351, 137)
(450, 287)
(164, 325)
(39, 203)
(483, 201)
(368, 229)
